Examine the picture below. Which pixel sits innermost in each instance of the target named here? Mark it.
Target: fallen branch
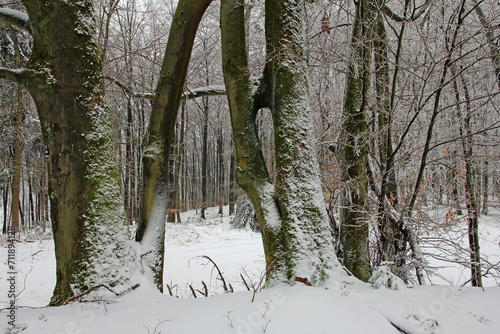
(302, 280)
(97, 287)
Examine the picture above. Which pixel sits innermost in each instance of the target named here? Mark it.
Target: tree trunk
(470, 195)
(151, 229)
(232, 183)
(354, 148)
(18, 145)
(485, 185)
(64, 78)
(294, 224)
(204, 159)
(16, 178)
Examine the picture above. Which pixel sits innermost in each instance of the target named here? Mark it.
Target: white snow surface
(342, 305)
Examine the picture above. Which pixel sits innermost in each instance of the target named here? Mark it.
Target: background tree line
(404, 95)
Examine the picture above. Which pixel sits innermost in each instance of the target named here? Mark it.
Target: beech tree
(63, 75)
(151, 230)
(297, 237)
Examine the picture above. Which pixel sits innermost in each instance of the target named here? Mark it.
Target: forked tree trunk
(292, 215)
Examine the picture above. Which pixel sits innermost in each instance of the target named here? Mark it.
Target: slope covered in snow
(343, 305)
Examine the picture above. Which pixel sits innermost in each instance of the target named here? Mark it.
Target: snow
(15, 15)
(343, 305)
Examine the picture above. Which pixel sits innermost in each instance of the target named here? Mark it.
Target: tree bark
(353, 156)
(63, 75)
(470, 194)
(292, 215)
(151, 230)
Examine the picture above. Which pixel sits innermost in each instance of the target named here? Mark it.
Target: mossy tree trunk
(353, 153)
(168, 95)
(63, 75)
(292, 215)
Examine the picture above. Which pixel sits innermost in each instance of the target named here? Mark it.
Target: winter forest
(334, 165)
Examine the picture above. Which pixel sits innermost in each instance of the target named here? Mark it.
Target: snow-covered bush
(383, 277)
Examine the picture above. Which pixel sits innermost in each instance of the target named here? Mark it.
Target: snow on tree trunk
(64, 78)
(294, 224)
(151, 229)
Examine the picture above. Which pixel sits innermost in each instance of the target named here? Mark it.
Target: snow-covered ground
(341, 306)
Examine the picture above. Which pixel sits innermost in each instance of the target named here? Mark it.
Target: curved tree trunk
(151, 229)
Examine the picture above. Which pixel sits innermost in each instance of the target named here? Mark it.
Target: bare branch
(215, 90)
(389, 13)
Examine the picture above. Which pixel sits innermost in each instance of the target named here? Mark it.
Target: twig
(220, 273)
(206, 289)
(192, 290)
(399, 328)
(36, 252)
(245, 282)
(170, 290)
(229, 318)
(486, 273)
(97, 287)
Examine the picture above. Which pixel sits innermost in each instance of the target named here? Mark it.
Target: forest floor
(343, 305)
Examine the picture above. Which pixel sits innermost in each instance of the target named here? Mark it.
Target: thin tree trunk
(220, 167)
(485, 185)
(470, 195)
(16, 179)
(178, 163)
(5, 208)
(204, 159)
(18, 145)
(232, 183)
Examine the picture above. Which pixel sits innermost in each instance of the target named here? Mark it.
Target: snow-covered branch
(130, 92)
(16, 18)
(11, 74)
(215, 90)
